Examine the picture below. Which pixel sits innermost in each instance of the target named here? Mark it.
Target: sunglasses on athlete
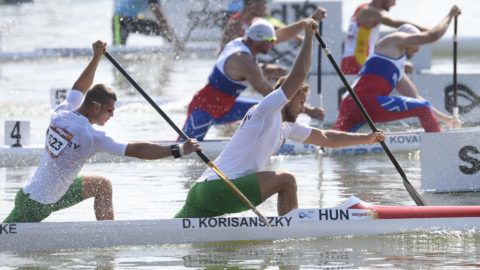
(271, 39)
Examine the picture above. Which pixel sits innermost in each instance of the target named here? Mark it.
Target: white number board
(57, 96)
(450, 161)
(17, 133)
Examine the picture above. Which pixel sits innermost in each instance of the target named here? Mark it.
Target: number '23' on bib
(57, 139)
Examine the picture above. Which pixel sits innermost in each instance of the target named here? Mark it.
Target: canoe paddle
(205, 159)
(314, 122)
(410, 189)
(455, 86)
(319, 69)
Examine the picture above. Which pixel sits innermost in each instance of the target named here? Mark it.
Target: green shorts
(28, 210)
(214, 198)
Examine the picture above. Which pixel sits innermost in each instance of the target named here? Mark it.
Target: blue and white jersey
(218, 79)
(380, 74)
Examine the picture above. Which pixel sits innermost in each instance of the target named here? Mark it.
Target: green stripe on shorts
(214, 198)
(28, 210)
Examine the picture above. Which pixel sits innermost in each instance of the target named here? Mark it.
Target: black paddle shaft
(408, 186)
(455, 102)
(154, 105)
(319, 62)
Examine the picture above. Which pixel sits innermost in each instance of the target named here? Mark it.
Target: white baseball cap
(261, 30)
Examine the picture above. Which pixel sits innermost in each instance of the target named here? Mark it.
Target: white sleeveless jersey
(260, 135)
(232, 47)
(70, 142)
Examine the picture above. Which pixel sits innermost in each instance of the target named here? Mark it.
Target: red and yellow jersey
(359, 43)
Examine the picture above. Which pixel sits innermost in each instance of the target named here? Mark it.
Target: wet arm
(288, 32)
(292, 30)
(333, 138)
(242, 66)
(385, 19)
(406, 87)
(148, 150)
(145, 150)
(85, 80)
(302, 63)
(315, 113)
(431, 35)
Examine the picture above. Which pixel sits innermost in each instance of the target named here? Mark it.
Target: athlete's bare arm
(291, 31)
(371, 16)
(406, 87)
(85, 81)
(432, 35)
(241, 66)
(387, 20)
(315, 113)
(147, 150)
(300, 68)
(334, 138)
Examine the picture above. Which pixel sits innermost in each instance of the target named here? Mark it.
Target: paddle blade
(414, 194)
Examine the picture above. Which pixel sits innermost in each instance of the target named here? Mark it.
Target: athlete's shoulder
(369, 16)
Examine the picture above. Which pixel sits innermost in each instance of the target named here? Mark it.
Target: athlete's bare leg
(100, 188)
(280, 182)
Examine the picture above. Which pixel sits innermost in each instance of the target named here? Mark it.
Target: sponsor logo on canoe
(404, 139)
(235, 222)
(345, 214)
(10, 228)
(286, 149)
(360, 214)
(306, 214)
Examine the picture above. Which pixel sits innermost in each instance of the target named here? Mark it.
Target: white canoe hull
(30, 155)
(354, 217)
(104, 234)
